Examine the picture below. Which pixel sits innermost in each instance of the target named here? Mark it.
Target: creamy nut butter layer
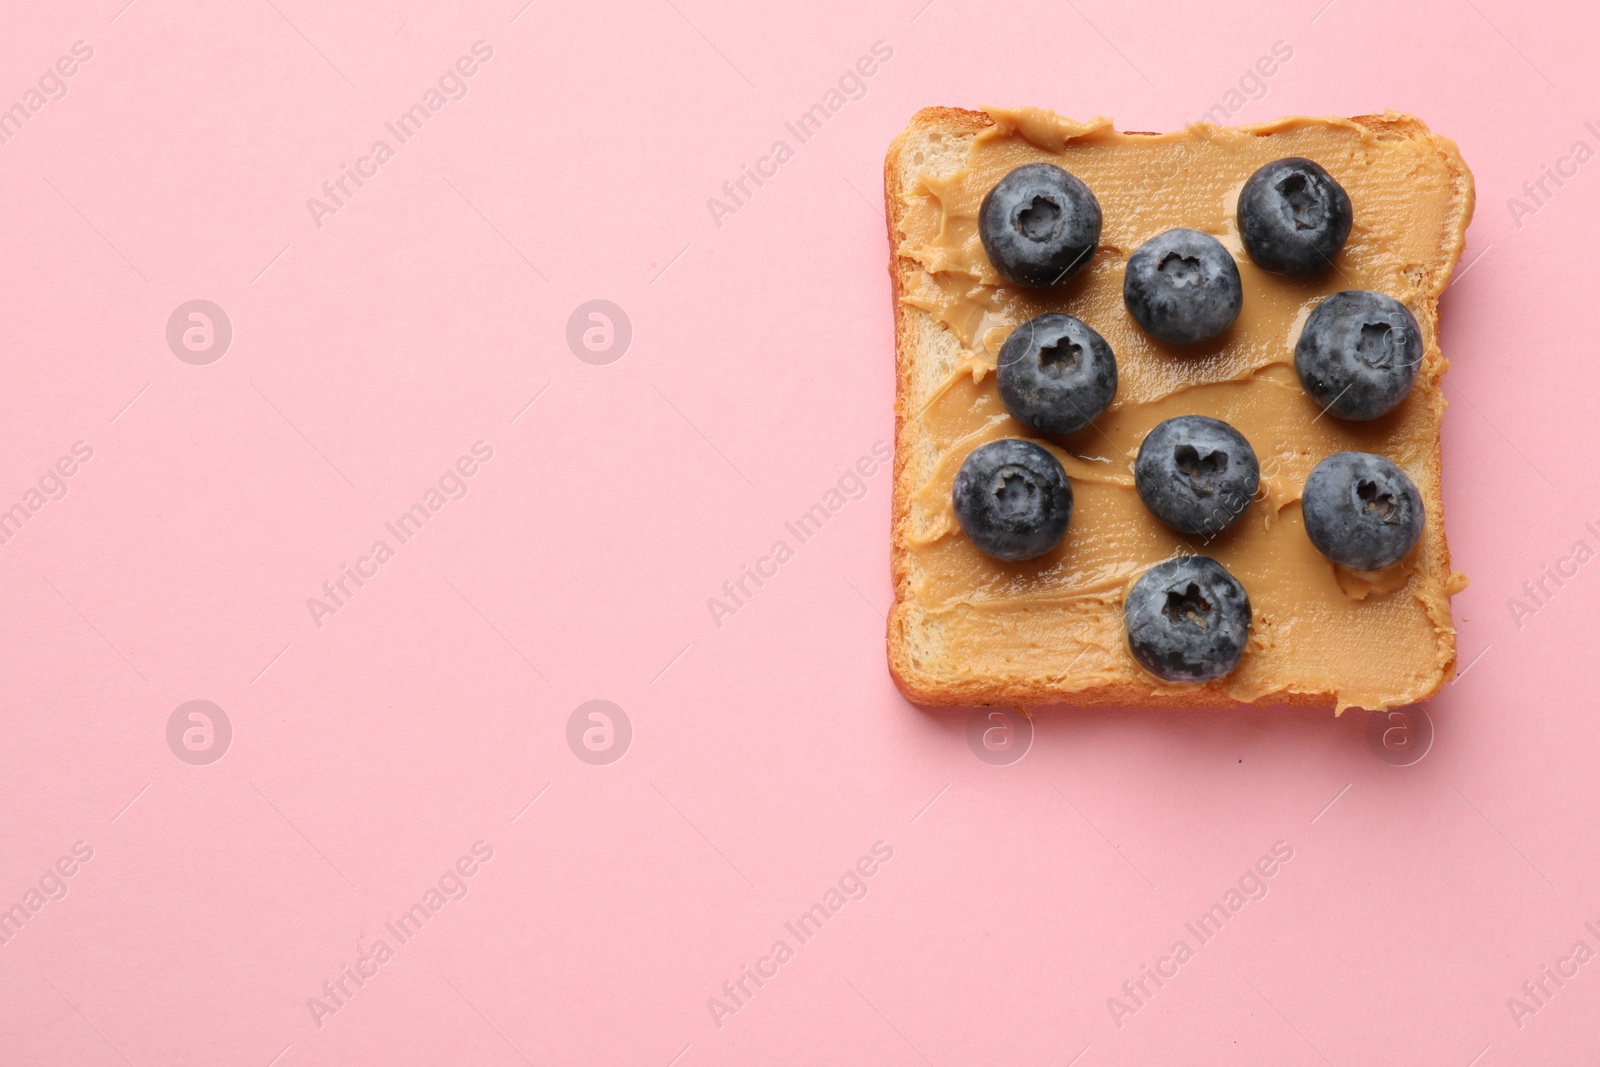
(970, 629)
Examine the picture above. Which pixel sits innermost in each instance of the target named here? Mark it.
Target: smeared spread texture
(969, 629)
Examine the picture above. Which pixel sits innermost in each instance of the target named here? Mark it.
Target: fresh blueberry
(1358, 354)
(1056, 375)
(1361, 510)
(1196, 474)
(1293, 217)
(1182, 286)
(1188, 619)
(1039, 225)
(1012, 499)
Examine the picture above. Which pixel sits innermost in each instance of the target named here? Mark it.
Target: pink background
(768, 754)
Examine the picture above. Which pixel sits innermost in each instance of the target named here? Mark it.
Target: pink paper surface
(630, 860)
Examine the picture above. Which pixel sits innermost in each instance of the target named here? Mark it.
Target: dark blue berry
(1361, 510)
(1182, 286)
(1012, 499)
(1188, 620)
(1293, 217)
(1056, 375)
(1039, 225)
(1358, 354)
(1196, 474)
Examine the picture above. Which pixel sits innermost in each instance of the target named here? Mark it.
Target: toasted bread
(967, 629)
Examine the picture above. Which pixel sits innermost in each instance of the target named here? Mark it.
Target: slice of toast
(968, 629)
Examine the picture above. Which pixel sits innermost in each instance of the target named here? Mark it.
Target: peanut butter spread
(1374, 639)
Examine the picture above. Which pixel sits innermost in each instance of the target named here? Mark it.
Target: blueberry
(1293, 217)
(1358, 354)
(1361, 510)
(1012, 499)
(1039, 225)
(1056, 375)
(1182, 286)
(1188, 619)
(1196, 474)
